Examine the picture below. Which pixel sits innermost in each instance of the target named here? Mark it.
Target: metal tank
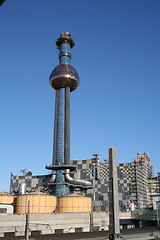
(39, 203)
(22, 188)
(6, 198)
(74, 203)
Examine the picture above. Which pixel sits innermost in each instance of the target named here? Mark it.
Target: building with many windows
(154, 188)
(136, 184)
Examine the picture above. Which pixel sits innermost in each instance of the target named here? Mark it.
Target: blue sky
(117, 56)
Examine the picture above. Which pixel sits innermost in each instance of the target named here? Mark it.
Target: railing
(145, 213)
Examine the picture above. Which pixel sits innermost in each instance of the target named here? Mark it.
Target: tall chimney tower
(64, 79)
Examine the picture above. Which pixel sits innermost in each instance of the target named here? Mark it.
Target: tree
(23, 171)
(29, 173)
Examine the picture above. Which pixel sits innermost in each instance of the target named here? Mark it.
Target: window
(3, 210)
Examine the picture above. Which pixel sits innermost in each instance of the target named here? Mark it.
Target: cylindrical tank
(6, 198)
(74, 203)
(39, 203)
(22, 188)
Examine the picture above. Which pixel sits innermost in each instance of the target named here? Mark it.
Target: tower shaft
(61, 149)
(64, 79)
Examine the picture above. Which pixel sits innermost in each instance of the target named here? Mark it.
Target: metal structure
(64, 79)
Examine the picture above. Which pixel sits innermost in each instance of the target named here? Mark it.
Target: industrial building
(77, 189)
(136, 186)
(75, 184)
(57, 193)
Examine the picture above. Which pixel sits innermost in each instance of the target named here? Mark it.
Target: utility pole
(94, 166)
(27, 222)
(114, 228)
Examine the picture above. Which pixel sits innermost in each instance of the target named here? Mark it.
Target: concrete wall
(125, 215)
(52, 223)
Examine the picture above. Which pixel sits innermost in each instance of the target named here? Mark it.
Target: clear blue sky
(117, 56)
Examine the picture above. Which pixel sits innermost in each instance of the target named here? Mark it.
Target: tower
(64, 79)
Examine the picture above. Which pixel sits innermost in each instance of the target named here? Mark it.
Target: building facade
(154, 188)
(136, 185)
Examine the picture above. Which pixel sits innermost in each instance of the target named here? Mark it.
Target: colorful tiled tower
(64, 79)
